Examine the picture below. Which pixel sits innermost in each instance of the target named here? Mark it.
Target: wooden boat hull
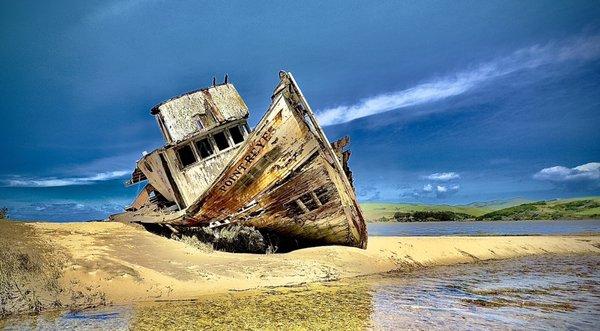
(286, 178)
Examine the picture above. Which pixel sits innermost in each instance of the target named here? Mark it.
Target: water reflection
(529, 293)
(106, 318)
(495, 228)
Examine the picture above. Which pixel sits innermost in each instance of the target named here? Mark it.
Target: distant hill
(512, 209)
(377, 211)
(499, 204)
(580, 208)
(374, 211)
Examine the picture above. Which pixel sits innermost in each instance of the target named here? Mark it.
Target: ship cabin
(202, 130)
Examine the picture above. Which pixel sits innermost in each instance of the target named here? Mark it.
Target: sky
(445, 102)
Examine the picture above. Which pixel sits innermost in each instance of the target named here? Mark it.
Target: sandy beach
(75, 265)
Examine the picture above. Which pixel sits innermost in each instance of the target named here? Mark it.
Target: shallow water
(544, 292)
(496, 228)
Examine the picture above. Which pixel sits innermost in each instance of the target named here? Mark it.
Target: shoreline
(102, 263)
(482, 220)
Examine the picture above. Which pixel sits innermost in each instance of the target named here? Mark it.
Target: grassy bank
(376, 211)
(586, 208)
(515, 209)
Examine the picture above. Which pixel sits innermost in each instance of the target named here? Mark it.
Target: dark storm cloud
(493, 91)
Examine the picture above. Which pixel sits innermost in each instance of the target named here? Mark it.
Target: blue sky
(445, 102)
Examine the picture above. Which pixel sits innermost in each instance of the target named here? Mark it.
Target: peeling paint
(284, 176)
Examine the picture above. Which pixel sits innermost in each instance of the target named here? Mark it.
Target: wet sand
(114, 263)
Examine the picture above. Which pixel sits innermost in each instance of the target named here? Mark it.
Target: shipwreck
(213, 171)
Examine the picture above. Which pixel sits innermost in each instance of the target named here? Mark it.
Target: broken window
(204, 148)
(221, 140)
(323, 194)
(292, 209)
(186, 155)
(236, 134)
(198, 122)
(307, 202)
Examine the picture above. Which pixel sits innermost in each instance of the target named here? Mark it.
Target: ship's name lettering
(248, 159)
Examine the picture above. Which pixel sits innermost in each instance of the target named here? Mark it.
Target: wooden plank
(315, 198)
(271, 181)
(301, 205)
(284, 140)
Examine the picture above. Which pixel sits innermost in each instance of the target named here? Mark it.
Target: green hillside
(499, 204)
(513, 209)
(375, 211)
(580, 208)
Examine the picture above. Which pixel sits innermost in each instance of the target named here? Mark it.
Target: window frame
(227, 139)
(241, 132)
(194, 154)
(210, 143)
(209, 136)
(197, 118)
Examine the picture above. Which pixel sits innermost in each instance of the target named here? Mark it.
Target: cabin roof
(156, 109)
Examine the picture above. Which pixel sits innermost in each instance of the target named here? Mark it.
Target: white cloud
(585, 172)
(442, 191)
(63, 210)
(427, 188)
(69, 181)
(584, 48)
(97, 166)
(431, 191)
(443, 176)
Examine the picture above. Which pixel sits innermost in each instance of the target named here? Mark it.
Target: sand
(115, 263)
